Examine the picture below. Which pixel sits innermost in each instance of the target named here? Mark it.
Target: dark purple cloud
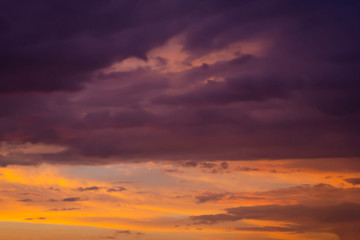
(39, 218)
(126, 232)
(318, 208)
(229, 91)
(123, 231)
(332, 218)
(57, 45)
(72, 199)
(297, 99)
(116, 189)
(93, 188)
(207, 165)
(210, 196)
(25, 200)
(304, 194)
(353, 181)
(216, 196)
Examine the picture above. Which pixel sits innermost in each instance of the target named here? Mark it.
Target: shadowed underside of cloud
(121, 232)
(318, 194)
(71, 199)
(116, 189)
(25, 200)
(297, 97)
(215, 196)
(337, 218)
(93, 188)
(353, 181)
(319, 208)
(39, 218)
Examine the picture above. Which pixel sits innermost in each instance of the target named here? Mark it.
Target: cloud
(121, 232)
(224, 165)
(72, 199)
(64, 54)
(318, 194)
(326, 164)
(30, 194)
(288, 228)
(39, 218)
(339, 219)
(353, 181)
(63, 209)
(305, 208)
(344, 213)
(254, 80)
(25, 200)
(93, 188)
(207, 165)
(246, 169)
(230, 91)
(209, 196)
(116, 189)
(190, 164)
(218, 196)
(172, 171)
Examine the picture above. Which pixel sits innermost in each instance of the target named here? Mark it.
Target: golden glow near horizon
(158, 198)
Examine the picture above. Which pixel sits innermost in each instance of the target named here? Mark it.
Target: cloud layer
(107, 81)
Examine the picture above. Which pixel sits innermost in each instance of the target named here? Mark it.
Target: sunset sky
(179, 119)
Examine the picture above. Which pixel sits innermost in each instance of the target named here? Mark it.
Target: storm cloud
(88, 78)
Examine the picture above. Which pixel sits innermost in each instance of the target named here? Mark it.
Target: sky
(179, 119)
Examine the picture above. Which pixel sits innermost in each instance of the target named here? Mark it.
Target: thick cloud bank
(99, 81)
